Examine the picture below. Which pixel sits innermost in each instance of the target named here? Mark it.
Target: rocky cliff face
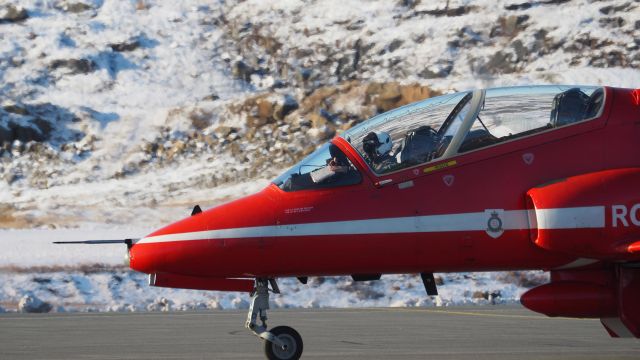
(111, 107)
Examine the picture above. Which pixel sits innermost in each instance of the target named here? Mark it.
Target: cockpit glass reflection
(326, 167)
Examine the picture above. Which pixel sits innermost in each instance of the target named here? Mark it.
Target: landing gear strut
(282, 342)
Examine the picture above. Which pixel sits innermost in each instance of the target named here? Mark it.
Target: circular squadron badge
(494, 222)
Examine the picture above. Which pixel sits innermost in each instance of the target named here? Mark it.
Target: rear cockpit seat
(573, 105)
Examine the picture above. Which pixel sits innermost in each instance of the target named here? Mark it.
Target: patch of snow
(32, 248)
(123, 290)
(92, 278)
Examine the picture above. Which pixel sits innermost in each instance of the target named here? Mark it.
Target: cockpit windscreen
(326, 167)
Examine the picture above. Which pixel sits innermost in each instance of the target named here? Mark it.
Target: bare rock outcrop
(10, 13)
(32, 304)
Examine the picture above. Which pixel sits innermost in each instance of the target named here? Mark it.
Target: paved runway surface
(456, 333)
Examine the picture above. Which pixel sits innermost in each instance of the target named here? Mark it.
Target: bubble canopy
(447, 125)
(442, 127)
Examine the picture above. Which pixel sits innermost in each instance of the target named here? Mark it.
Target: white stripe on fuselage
(571, 218)
(562, 218)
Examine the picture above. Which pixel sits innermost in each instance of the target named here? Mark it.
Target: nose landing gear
(282, 342)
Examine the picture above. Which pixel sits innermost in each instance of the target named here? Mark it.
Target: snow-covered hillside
(124, 114)
(152, 106)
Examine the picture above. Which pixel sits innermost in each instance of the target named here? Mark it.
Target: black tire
(290, 337)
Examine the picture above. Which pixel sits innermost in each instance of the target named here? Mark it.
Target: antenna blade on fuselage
(196, 210)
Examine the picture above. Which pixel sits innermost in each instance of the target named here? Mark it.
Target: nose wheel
(282, 342)
(291, 348)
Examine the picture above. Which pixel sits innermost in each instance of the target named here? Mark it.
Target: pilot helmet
(378, 143)
(335, 152)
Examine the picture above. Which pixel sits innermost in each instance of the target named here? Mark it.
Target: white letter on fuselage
(618, 212)
(633, 214)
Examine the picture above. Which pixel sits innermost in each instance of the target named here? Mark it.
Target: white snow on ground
(181, 59)
(30, 248)
(93, 278)
(127, 99)
(308, 25)
(121, 290)
(116, 203)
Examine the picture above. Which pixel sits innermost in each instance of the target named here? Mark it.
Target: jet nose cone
(218, 242)
(164, 249)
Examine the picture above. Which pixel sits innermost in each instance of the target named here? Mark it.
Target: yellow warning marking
(472, 313)
(440, 166)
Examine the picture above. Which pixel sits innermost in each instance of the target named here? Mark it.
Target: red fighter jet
(534, 177)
